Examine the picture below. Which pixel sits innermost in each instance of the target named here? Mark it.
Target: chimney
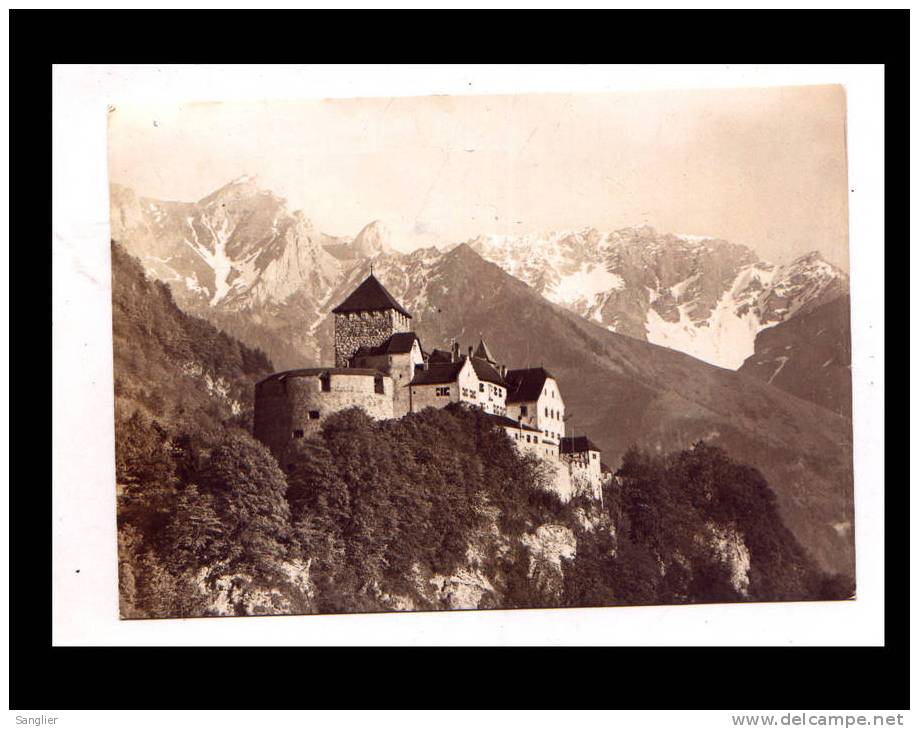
(454, 352)
(503, 370)
(427, 365)
(470, 351)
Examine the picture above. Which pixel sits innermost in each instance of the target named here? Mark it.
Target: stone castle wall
(360, 329)
(286, 405)
(365, 329)
(401, 369)
(425, 396)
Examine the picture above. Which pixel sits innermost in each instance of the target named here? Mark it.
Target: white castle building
(381, 366)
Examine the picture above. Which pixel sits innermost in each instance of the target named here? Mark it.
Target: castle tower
(367, 318)
(483, 352)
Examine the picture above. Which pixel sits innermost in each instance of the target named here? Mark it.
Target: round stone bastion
(292, 405)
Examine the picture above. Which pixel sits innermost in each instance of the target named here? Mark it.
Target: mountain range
(699, 295)
(239, 248)
(239, 259)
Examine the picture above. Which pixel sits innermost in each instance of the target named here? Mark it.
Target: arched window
(325, 382)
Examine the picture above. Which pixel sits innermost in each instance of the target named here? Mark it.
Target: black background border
(42, 676)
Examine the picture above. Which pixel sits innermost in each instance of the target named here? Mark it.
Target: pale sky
(762, 167)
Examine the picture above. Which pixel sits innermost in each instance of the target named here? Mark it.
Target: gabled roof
(440, 356)
(506, 422)
(578, 444)
(399, 343)
(525, 385)
(483, 352)
(438, 374)
(370, 296)
(486, 373)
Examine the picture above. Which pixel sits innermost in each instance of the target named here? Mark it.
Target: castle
(382, 367)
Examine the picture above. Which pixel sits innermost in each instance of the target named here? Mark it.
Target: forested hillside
(170, 365)
(436, 510)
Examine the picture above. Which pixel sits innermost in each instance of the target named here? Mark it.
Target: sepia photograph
(481, 352)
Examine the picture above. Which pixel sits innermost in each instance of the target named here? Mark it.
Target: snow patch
(192, 283)
(782, 362)
(218, 260)
(726, 341)
(587, 282)
(678, 289)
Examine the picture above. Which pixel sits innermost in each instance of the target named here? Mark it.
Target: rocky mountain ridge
(240, 249)
(699, 295)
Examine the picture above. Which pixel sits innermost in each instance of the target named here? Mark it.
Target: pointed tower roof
(370, 296)
(482, 352)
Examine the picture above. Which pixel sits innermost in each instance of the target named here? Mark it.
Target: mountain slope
(170, 365)
(809, 356)
(699, 295)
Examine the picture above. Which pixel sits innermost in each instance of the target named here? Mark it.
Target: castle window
(442, 392)
(298, 433)
(528, 438)
(481, 387)
(594, 456)
(325, 382)
(314, 415)
(378, 384)
(523, 409)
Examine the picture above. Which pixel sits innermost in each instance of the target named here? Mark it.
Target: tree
(249, 498)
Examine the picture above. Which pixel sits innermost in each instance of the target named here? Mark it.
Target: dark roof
(525, 385)
(440, 355)
(577, 444)
(483, 352)
(316, 371)
(485, 372)
(370, 296)
(399, 343)
(438, 374)
(510, 423)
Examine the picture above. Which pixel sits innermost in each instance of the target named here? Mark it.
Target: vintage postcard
(484, 352)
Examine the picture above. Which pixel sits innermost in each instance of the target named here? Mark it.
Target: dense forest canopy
(372, 513)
